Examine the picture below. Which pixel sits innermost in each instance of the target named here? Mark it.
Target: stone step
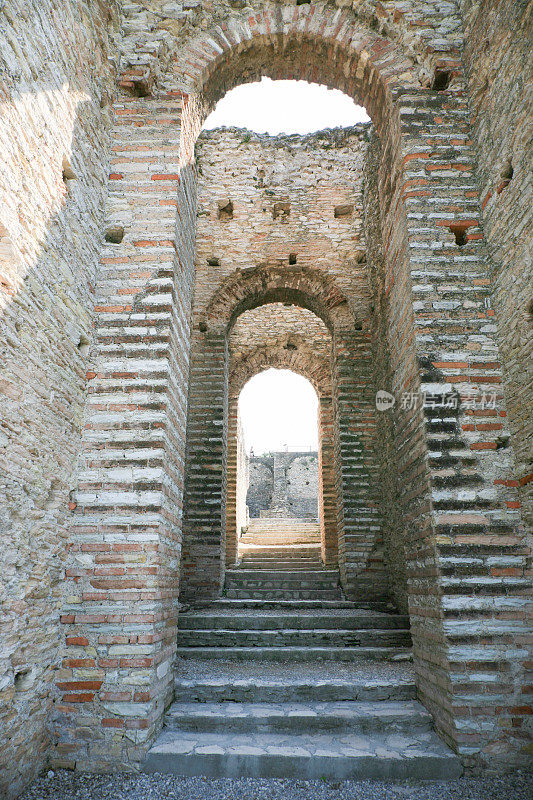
(290, 565)
(212, 618)
(268, 554)
(284, 594)
(261, 523)
(304, 717)
(418, 756)
(280, 538)
(258, 582)
(292, 691)
(293, 638)
(311, 549)
(295, 653)
(321, 574)
(238, 604)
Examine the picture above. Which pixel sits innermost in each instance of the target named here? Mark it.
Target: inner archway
(279, 484)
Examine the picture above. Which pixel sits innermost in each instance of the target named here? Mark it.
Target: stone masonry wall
(290, 205)
(55, 84)
(499, 64)
(300, 484)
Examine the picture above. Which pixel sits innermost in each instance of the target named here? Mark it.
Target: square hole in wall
(281, 210)
(343, 211)
(225, 209)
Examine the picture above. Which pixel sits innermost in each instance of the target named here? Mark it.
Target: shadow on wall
(51, 231)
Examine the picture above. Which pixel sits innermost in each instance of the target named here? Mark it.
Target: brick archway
(432, 324)
(307, 42)
(257, 286)
(348, 415)
(302, 360)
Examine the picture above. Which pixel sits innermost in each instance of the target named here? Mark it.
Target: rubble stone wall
(301, 484)
(55, 80)
(499, 64)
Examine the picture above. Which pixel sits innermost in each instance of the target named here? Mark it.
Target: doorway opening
(285, 106)
(278, 480)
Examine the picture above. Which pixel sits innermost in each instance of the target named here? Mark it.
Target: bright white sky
(285, 107)
(279, 408)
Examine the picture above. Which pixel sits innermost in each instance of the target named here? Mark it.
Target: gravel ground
(355, 671)
(64, 785)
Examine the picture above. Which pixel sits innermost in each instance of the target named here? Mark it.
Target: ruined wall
(300, 484)
(290, 201)
(289, 206)
(499, 64)
(260, 490)
(468, 561)
(55, 80)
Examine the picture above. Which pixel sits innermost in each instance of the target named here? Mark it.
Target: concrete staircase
(282, 677)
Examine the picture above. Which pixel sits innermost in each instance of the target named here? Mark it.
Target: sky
(279, 408)
(285, 107)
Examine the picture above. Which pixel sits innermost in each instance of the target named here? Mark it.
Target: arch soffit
(302, 361)
(308, 42)
(248, 289)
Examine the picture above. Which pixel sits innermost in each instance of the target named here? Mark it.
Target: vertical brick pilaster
(204, 525)
(327, 486)
(232, 534)
(119, 616)
(360, 545)
(474, 554)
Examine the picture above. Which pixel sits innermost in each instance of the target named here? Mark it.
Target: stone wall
(278, 208)
(55, 84)
(300, 484)
(499, 63)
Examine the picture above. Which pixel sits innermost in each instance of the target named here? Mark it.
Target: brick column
(360, 548)
(120, 609)
(204, 518)
(466, 554)
(232, 534)
(327, 487)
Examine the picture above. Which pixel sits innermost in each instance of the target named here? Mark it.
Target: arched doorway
(423, 333)
(280, 475)
(342, 372)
